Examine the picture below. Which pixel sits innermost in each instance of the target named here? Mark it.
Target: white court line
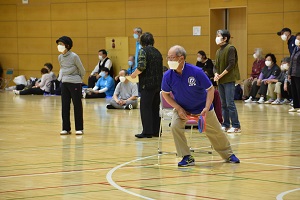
(111, 181)
(281, 195)
(293, 167)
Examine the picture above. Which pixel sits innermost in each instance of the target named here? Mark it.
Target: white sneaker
(16, 92)
(269, 101)
(64, 132)
(225, 129)
(261, 100)
(292, 110)
(79, 132)
(249, 100)
(234, 130)
(276, 102)
(285, 101)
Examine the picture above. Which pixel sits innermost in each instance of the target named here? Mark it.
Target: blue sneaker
(187, 161)
(233, 159)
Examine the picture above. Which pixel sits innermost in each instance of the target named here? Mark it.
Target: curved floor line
(281, 195)
(111, 181)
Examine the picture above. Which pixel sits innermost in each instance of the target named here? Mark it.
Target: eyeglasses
(171, 58)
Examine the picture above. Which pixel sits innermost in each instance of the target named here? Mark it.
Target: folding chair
(7, 79)
(167, 108)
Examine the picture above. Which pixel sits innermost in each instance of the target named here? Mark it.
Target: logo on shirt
(192, 81)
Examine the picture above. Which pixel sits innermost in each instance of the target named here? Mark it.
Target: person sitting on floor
(104, 87)
(125, 95)
(41, 87)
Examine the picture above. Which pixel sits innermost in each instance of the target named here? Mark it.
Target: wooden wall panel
(80, 45)
(73, 11)
(156, 26)
(69, 28)
(34, 46)
(227, 3)
(8, 29)
(33, 61)
(145, 9)
(188, 8)
(106, 10)
(106, 28)
(67, 1)
(10, 61)
(8, 45)
(33, 12)
(292, 20)
(265, 6)
(8, 12)
(184, 26)
(34, 29)
(268, 43)
(8, 2)
(94, 45)
(271, 23)
(291, 5)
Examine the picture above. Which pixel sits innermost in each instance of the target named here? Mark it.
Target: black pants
(92, 81)
(95, 95)
(286, 94)
(149, 108)
(295, 83)
(32, 91)
(71, 91)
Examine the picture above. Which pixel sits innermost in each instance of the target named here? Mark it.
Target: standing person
(104, 61)
(137, 32)
(294, 75)
(226, 73)
(257, 66)
(207, 65)
(193, 95)
(286, 35)
(70, 74)
(150, 72)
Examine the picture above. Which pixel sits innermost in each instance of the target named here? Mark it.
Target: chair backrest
(164, 103)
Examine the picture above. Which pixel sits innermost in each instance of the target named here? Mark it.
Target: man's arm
(209, 100)
(181, 112)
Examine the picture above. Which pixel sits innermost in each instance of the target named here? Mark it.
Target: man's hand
(182, 114)
(204, 111)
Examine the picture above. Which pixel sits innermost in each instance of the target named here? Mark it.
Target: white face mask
(254, 56)
(218, 40)
(173, 64)
(100, 57)
(283, 37)
(102, 74)
(284, 67)
(268, 63)
(122, 78)
(297, 42)
(199, 59)
(61, 48)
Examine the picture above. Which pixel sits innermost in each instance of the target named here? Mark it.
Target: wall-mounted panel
(184, 26)
(188, 9)
(69, 28)
(156, 26)
(73, 11)
(8, 45)
(265, 6)
(8, 12)
(106, 10)
(34, 45)
(227, 3)
(291, 5)
(270, 43)
(9, 61)
(106, 28)
(291, 20)
(34, 29)
(33, 12)
(258, 26)
(8, 29)
(145, 9)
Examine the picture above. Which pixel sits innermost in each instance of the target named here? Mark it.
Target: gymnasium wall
(28, 32)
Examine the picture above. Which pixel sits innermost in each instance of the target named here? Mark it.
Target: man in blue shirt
(104, 87)
(193, 95)
(286, 35)
(137, 32)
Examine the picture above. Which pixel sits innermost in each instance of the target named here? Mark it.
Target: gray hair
(180, 51)
(138, 29)
(259, 52)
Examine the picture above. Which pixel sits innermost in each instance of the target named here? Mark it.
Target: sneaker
(84, 95)
(285, 101)
(270, 101)
(298, 111)
(250, 100)
(261, 100)
(187, 160)
(79, 132)
(129, 107)
(234, 130)
(277, 102)
(225, 129)
(16, 92)
(233, 159)
(108, 106)
(292, 110)
(64, 132)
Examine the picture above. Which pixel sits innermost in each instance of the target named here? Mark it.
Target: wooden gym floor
(109, 162)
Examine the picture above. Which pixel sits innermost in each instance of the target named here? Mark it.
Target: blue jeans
(229, 111)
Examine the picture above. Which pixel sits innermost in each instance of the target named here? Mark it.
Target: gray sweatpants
(134, 104)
